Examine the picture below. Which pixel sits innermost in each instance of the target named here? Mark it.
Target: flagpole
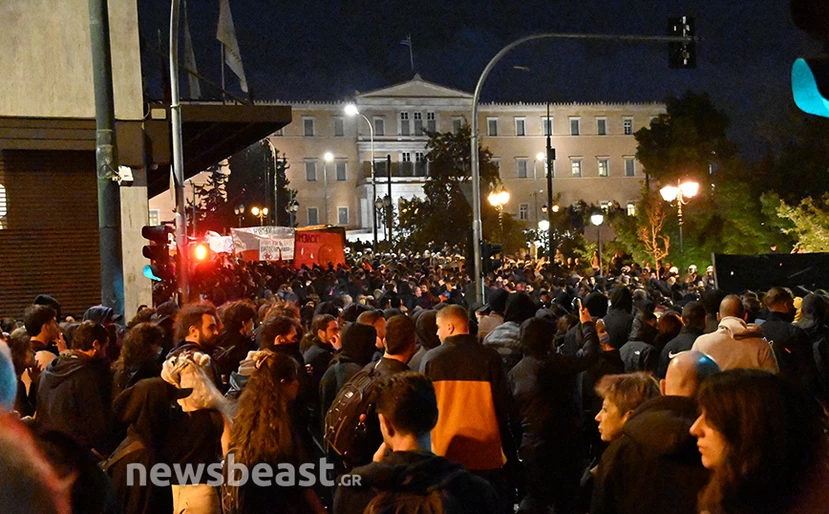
(222, 45)
(411, 54)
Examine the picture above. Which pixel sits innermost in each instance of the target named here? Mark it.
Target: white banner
(271, 243)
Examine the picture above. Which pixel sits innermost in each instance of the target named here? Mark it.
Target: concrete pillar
(134, 215)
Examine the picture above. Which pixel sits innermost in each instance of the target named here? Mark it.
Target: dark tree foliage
(444, 217)
(251, 183)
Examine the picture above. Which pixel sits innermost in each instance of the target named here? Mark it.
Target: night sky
(325, 50)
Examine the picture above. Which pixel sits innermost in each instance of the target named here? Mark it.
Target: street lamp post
(328, 157)
(681, 193)
(273, 186)
(498, 199)
(597, 220)
(544, 227)
(259, 213)
(239, 211)
(536, 191)
(351, 110)
(292, 207)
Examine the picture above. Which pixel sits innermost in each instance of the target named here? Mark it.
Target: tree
(657, 244)
(251, 182)
(444, 216)
(809, 223)
(212, 209)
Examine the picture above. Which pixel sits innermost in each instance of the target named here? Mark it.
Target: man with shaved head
(737, 344)
(473, 402)
(655, 466)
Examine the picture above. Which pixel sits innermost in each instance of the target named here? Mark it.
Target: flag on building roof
(226, 33)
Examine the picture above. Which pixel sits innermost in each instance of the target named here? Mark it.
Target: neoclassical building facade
(594, 143)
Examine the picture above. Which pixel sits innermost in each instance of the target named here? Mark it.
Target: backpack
(345, 422)
(433, 500)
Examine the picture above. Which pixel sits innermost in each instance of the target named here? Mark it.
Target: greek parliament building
(594, 144)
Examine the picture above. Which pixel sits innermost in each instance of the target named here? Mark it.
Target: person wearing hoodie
(74, 394)
(693, 321)
(497, 305)
(619, 318)
(405, 473)
(543, 385)
(506, 338)
(426, 333)
(357, 351)
(655, 465)
(736, 344)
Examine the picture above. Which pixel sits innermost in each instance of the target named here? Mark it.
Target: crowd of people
(634, 390)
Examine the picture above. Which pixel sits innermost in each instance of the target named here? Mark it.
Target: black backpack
(433, 500)
(345, 427)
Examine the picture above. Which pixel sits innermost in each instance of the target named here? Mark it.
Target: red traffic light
(201, 252)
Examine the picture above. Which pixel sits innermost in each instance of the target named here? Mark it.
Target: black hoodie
(417, 472)
(426, 332)
(358, 347)
(74, 398)
(655, 466)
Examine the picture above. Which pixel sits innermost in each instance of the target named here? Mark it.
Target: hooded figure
(737, 344)
(145, 408)
(358, 348)
(506, 338)
(619, 318)
(426, 333)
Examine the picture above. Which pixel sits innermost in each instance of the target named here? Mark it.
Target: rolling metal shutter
(50, 241)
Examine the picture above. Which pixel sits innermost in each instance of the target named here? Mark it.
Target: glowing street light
(544, 225)
(681, 193)
(499, 199)
(259, 213)
(597, 219)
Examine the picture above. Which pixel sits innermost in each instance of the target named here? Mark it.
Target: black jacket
(358, 348)
(231, 348)
(318, 355)
(793, 350)
(417, 472)
(655, 466)
(681, 343)
(544, 390)
(639, 356)
(74, 398)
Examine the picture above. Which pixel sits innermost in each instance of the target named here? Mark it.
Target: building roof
(416, 88)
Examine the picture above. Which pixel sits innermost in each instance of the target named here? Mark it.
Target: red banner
(319, 247)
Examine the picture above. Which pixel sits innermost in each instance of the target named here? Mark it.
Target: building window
(575, 167)
(524, 212)
(313, 216)
(339, 130)
(342, 172)
(404, 124)
(604, 167)
(308, 126)
(630, 167)
(311, 171)
(155, 216)
(380, 167)
(379, 127)
(548, 126)
(575, 126)
(544, 165)
(631, 209)
(406, 164)
(601, 126)
(520, 126)
(522, 168)
(420, 164)
(431, 122)
(492, 126)
(342, 215)
(418, 123)
(457, 123)
(628, 124)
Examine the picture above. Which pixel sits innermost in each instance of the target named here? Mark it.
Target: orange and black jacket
(473, 404)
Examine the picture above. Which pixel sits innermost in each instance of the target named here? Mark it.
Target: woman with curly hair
(765, 442)
(139, 356)
(263, 434)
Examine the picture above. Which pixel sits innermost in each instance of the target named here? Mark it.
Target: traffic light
(682, 54)
(488, 254)
(158, 252)
(199, 252)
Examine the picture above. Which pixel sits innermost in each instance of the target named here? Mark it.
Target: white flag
(190, 59)
(227, 35)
